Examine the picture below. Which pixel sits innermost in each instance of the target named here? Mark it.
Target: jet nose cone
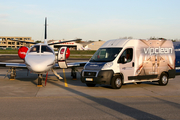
(39, 64)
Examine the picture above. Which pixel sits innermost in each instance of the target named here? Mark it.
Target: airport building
(70, 45)
(7, 42)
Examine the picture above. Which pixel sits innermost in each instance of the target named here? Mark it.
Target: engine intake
(22, 52)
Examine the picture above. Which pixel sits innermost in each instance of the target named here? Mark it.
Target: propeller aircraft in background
(41, 58)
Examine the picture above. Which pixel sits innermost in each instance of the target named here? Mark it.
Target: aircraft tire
(73, 74)
(40, 79)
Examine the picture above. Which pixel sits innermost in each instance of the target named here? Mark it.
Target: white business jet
(41, 58)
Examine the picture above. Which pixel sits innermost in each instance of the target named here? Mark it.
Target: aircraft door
(62, 57)
(126, 63)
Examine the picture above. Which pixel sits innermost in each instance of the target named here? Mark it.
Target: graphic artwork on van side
(158, 50)
(155, 57)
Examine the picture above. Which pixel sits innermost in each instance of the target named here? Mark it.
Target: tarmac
(69, 99)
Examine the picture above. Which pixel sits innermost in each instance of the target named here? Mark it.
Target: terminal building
(7, 42)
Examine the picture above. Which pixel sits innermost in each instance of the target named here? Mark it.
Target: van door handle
(132, 64)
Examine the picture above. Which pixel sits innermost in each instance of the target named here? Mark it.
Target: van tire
(90, 85)
(116, 82)
(163, 80)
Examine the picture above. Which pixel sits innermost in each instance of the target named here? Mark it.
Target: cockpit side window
(35, 49)
(45, 48)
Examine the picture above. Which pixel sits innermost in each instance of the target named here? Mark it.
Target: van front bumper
(97, 77)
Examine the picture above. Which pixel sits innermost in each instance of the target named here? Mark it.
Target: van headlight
(107, 65)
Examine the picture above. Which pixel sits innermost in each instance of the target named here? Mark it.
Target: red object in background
(67, 53)
(22, 52)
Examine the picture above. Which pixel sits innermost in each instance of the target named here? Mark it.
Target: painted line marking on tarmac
(65, 81)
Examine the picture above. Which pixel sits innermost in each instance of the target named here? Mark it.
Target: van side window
(126, 56)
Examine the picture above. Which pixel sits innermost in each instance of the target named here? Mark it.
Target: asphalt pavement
(68, 99)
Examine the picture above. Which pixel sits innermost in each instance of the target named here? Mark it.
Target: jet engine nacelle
(22, 52)
(63, 54)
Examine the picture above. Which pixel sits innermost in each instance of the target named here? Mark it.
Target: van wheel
(116, 82)
(90, 85)
(163, 80)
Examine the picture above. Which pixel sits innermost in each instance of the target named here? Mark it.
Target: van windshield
(105, 54)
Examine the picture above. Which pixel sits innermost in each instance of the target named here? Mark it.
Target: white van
(122, 61)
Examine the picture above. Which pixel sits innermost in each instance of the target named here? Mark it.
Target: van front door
(126, 63)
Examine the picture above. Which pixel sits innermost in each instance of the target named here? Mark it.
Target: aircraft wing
(76, 64)
(70, 65)
(16, 65)
(56, 66)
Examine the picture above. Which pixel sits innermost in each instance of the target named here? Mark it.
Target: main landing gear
(13, 73)
(73, 73)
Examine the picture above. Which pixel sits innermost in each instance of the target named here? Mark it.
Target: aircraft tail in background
(45, 32)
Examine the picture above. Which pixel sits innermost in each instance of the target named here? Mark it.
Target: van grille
(90, 74)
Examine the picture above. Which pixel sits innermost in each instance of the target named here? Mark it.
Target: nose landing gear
(40, 78)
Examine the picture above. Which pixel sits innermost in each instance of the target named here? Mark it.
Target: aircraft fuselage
(40, 58)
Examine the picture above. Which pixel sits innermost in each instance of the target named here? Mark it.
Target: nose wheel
(40, 78)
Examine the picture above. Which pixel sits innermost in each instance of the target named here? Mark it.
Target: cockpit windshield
(35, 49)
(44, 48)
(105, 54)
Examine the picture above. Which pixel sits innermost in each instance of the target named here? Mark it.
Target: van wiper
(92, 60)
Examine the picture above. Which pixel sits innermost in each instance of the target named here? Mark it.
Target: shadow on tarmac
(121, 108)
(24, 77)
(126, 110)
(176, 105)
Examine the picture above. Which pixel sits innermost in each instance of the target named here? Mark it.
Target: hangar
(70, 45)
(78, 46)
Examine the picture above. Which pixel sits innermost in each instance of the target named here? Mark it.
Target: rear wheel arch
(164, 72)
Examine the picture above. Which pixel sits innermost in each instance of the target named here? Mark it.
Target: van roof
(115, 43)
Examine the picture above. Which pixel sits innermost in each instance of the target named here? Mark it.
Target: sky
(90, 19)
